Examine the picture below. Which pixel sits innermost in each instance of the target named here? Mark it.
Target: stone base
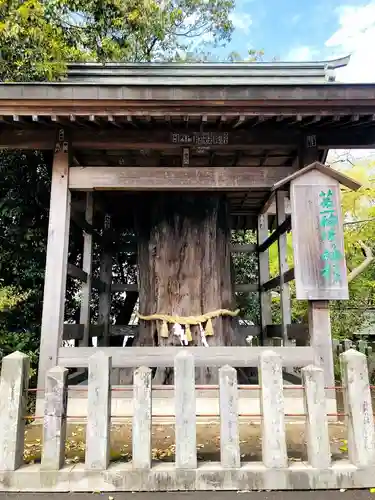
(207, 477)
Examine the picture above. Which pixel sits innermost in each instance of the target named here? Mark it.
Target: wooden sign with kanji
(317, 233)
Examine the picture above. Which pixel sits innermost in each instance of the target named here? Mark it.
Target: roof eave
(324, 169)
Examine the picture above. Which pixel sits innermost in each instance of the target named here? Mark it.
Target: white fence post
(14, 384)
(358, 407)
(185, 409)
(274, 453)
(98, 412)
(229, 433)
(54, 425)
(142, 418)
(318, 447)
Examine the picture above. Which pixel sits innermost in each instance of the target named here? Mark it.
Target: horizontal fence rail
(275, 471)
(78, 357)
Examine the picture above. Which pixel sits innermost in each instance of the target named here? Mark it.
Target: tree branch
(364, 265)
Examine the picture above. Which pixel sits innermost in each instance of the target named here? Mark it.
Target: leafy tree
(33, 47)
(37, 40)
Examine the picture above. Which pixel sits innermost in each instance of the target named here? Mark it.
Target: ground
(205, 495)
(208, 442)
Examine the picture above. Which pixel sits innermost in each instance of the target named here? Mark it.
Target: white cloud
(301, 53)
(356, 36)
(241, 21)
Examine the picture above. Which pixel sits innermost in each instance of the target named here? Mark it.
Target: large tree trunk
(184, 268)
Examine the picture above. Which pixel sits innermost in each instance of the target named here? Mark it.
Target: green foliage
(32, 48)
(38, 38)
(245, 268)
(143, 30)
(9, 298)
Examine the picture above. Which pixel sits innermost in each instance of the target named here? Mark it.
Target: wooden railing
(141, 474)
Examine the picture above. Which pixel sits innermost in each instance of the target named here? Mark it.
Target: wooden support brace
(281, 229)
(286, 316)
(275, 282)
(264, 275)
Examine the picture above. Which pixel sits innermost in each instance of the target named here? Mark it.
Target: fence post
(14, 384)
(229, 434)
(274, 452)
(54, 425)
(185, 410)
(98, 412)
(318, 447)
(358, 407)
(142, 415)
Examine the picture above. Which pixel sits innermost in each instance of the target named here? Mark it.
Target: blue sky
(302, 30)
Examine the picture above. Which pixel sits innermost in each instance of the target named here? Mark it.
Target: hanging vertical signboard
(317, 233)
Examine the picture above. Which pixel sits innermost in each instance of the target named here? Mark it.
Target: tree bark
(184, 268)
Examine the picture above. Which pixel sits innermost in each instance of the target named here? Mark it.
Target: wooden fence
(274, 472)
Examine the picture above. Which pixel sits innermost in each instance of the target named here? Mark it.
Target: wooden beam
(72, 331)
(133, 357)
(75, 331)
(299, 333)
(76, 272)
(56, 262)
(269, 200)
(244, 248)
(246, 288)
(283, 228)
(269, 138)
(118, 139)
(275, 282)
(296, 331)
(43, 139)
(80, 220)
(175, 178)
(123, 287)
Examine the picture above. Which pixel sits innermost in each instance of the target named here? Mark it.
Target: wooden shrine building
(131, 139)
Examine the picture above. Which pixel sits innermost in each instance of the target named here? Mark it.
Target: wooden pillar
(106, 278)
(56, 262)
(286, 316)
(87, 267)
(308, 152)
(264, 276)
(318, 310)
(321, 338)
